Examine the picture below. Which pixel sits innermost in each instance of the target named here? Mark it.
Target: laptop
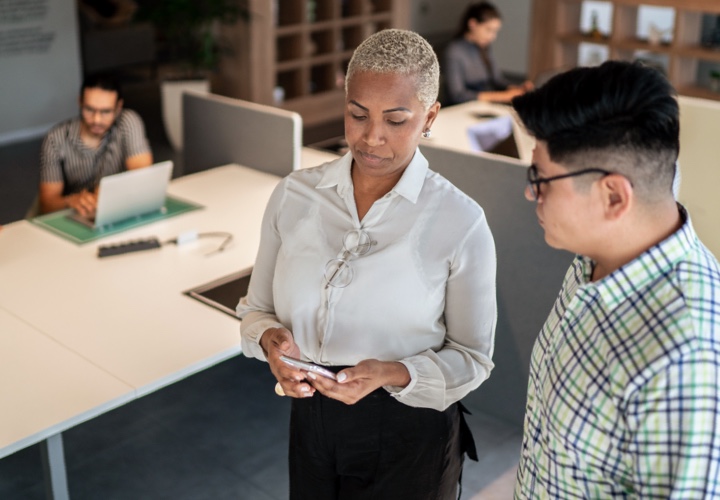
(129, 194)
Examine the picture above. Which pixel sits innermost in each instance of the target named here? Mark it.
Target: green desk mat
(60, 224)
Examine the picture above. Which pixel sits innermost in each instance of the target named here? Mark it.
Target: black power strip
(128, 246)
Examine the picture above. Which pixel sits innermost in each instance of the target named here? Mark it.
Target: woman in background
(470, 71)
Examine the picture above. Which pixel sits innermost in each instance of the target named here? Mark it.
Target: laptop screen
(130, 194)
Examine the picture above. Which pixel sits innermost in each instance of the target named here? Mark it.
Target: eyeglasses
(339, 272)
(534, 180)
(104, 113)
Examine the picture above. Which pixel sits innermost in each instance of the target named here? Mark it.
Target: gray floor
(220, 434)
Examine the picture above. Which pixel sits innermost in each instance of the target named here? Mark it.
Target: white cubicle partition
(700, 167)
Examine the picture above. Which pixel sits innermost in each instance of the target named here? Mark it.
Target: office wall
(438, 19)
(39, 66)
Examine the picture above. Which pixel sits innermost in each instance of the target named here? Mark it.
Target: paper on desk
(487, 134)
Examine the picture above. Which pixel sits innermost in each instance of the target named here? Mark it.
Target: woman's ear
(431, 115)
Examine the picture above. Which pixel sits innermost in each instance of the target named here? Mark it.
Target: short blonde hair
(402, 52)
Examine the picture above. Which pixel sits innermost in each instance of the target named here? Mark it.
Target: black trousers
(377, 448)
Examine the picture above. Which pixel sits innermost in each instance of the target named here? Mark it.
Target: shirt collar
(655, 262)
(409, 185)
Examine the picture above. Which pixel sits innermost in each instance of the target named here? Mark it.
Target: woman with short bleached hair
(381, 271)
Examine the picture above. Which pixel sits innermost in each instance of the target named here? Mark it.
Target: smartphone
(308, 367)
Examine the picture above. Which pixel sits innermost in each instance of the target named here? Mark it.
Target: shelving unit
(557, 37)
(294, 53)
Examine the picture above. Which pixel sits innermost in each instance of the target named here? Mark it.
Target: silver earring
(426, 134)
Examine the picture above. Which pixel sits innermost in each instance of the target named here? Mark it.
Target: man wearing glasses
(105, 139)
(624, 390)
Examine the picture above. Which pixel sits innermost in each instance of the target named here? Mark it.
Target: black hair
(620, 108)
(102, 81)
(479, 11)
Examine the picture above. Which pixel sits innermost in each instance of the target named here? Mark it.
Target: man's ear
(119, 105)
(617, 194)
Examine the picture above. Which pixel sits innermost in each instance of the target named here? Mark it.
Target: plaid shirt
(623, 399)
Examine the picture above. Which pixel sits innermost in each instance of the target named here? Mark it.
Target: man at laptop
(105, 139)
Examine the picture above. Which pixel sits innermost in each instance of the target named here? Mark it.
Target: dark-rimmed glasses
(338, 271)
(534, 180)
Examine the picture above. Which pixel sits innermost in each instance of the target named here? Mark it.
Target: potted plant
(190, 48)
(715, 80)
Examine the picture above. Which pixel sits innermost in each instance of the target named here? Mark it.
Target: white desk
(313, 157)
(46, 388)
(82, 335)
(451, 125)
(127, 314)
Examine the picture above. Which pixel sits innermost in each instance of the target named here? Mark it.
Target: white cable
(186, 237)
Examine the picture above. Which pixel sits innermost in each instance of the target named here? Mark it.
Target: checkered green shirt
(623, 398)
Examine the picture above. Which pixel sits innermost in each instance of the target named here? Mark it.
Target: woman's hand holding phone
(308, 367)
(356, 382)
(277, 342)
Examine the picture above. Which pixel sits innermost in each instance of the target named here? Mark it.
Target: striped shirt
(65, 158)
(623, 398)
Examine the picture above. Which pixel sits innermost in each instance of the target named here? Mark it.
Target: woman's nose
(373, 135)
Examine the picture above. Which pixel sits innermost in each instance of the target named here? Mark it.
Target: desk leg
(53, 459)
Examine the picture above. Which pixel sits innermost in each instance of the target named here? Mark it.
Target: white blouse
(423, 295)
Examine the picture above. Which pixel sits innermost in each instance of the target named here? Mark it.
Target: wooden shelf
(636, 44)
(556, 38)
(698, 52)
(578, 38)
(300, 49)
(702, 92)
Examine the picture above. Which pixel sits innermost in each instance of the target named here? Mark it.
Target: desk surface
(313, 157)
(46, 388)
(127, 313)
(451, 125)
(118, 327)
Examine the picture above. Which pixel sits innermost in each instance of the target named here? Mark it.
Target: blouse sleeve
(440, 378)
(257, 309)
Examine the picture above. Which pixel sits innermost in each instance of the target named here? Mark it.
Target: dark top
(468, 71)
